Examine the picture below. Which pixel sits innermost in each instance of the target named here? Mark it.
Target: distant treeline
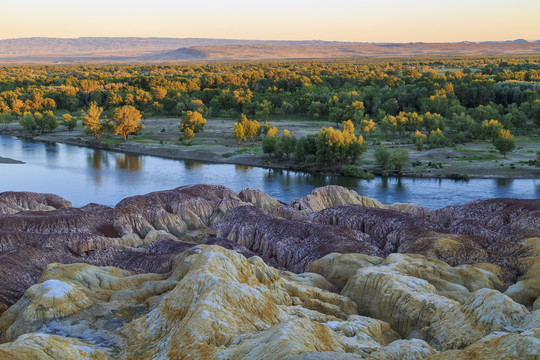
(463, 91)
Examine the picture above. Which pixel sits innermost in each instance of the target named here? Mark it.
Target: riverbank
(4, 160)
(217, 145)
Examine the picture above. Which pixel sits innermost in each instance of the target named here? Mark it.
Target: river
(84, 175)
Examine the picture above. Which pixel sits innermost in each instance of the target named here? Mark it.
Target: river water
(84, 175)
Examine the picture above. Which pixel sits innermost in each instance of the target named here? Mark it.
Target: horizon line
(267, 40)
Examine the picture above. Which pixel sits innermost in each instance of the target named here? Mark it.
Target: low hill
(107, 50)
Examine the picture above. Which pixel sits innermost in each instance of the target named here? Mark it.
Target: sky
(333, 20)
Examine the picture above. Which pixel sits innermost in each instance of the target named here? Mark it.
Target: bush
(356, 172)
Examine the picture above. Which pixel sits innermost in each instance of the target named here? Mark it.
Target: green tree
(436, 138)
(28, 121)
(41, 121)
(383, 157)
(126, 121)
(69, 122)
(400, 158)
(269, 145)
(50, 120)
(306, 146)
(492, 128)
(286, 144)
(6, 118)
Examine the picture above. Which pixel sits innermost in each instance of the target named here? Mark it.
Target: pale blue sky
(344, 20)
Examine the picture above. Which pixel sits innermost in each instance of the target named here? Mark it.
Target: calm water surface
(84, 175)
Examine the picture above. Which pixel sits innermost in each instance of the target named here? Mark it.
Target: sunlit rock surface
(202, 272)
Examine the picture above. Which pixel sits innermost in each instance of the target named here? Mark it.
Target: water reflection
(383, 185)
(192, 165)
(504, 182)
(129, 162)
(400, 185)
(97, 159)
(244, 169)
(84, 175)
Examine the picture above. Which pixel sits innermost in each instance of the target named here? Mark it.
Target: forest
(433, 101)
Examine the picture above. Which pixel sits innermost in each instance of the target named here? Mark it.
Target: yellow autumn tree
(272, 132)
(419, 139)
(91, 121)
(192, 120)
(492, 128)
(238, 132)
(126, 121)
(252, 128)
(504, 142)
(367, 126)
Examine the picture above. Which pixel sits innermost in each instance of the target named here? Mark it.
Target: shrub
(356, 172)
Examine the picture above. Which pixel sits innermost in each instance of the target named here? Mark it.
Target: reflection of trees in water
(129, 162)
(96, 159)
(504, 182)
(244, 169)
(192, 165)
(400, 185)
(384, 183)
(51, 150)
(288, 177)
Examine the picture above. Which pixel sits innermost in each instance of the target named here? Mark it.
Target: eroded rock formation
(203, 272)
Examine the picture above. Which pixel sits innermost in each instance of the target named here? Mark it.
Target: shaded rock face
(499, 215)
(275, 238)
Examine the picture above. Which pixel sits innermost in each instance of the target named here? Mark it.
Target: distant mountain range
(134, 49)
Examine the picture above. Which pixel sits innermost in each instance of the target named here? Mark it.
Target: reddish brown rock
(37, 229)
(12, 202)
(293, 244)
